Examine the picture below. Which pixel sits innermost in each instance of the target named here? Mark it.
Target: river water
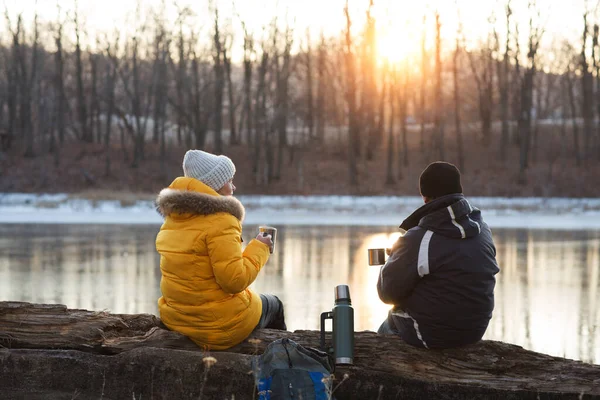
(547, 293)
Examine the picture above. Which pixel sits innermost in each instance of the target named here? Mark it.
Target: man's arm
(399, 276)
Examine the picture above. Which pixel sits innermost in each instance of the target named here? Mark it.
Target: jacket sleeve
(399, 276)
(234, 270)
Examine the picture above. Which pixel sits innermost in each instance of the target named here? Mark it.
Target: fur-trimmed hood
(185, 201)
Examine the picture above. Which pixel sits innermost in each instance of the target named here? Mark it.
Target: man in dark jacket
(440, 275)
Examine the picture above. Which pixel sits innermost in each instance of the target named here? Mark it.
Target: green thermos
(342, 317)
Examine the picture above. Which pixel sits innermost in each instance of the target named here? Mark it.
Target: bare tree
(13, 78)
(424, 72)
(197, 113)
(457, 102)
(181, 81)
(439, 101)
(353, 119)
(233, 137)
(517, 79)
(403, 114)
(247, 89)
(524, 122)
(260, 114)
(161, 50)
(218, 85)
(504, 86)
(389, 79)
(587, 89)
(570, 88)
(83, 131)
(109, 98)
(596, 50)
(281, 103)
(59, 79)
(321, 88)
(159, 96)
(368, 96)
(139, 96)
(310, 105)
(94, 120)
(482, 69)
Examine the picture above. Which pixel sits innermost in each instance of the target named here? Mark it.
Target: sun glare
(395, 44)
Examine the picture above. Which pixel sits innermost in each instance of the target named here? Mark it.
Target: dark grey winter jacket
(441, 278)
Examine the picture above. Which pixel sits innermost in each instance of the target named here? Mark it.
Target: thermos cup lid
(342, 292)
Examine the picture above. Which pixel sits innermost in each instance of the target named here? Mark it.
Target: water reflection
(546, 298)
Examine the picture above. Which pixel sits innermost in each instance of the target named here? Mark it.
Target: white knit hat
(214, 171)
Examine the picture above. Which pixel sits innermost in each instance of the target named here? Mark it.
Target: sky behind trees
(399, 21)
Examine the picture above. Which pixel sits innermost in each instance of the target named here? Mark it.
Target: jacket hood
(190, 196)
(451, 216)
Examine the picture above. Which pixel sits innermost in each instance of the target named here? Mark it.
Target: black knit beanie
(439, 179)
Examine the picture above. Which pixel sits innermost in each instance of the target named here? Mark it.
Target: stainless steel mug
(269, 230)
(376, 256)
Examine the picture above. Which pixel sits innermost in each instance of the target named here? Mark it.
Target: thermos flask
(342, 317)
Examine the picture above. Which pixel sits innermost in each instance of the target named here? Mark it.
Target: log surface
(40, 344)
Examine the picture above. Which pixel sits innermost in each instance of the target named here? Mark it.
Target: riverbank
(316, 170)
(127, 208)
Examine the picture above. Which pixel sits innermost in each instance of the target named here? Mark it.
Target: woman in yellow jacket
(205, 273)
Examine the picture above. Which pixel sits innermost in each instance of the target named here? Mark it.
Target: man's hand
(395, 247)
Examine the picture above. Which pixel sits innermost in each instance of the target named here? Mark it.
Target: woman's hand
(265, 239)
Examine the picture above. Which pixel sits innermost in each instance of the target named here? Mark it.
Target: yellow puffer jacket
(205, 274)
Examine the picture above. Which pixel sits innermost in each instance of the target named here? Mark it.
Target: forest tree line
(170, 83)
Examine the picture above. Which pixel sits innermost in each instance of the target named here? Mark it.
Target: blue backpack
(288, 371)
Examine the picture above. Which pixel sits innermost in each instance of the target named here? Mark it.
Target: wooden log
(54, 353)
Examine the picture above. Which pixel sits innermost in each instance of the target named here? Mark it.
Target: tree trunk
(282, 104)
(95, 104)
(587, 89)
(124, 356)
(310, 112)
(596, 46)
(423, 87)
(457, 120)
(260, 115)
(110, 104)
(60, 86)
(353, 122)
(248, 100)
(249, 118)
(157, 95)
(403, 106)
(527, 101)
(573, 115)
(321, 89)
(439, 101)
(219, 87)
(504, 83)
(233, 137)
(28, 84)
(368, 96)
(180, 85)
(391, 78)
(81, 100)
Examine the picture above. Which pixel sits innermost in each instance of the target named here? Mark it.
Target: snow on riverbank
(542, 213)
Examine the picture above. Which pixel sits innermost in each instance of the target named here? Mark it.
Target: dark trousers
(405, 327)
(272, 316)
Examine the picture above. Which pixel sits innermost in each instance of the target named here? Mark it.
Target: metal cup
(269, 230)
(376, 256)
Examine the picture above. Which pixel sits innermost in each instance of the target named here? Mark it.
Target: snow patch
(498, 212)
